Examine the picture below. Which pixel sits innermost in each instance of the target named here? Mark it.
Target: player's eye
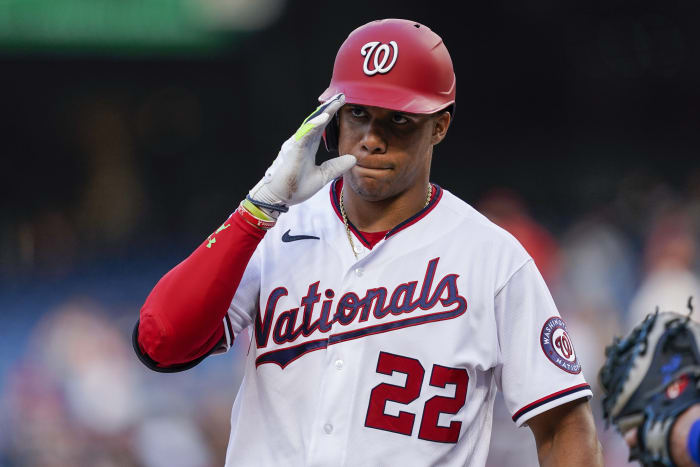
(399, 119)
(357, 112)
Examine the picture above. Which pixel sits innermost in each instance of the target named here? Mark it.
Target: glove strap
(271, 207)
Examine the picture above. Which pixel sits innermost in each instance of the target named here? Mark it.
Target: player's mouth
(372, 167)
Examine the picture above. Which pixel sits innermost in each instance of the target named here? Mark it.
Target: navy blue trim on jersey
(230, 329)
(284, 357)
(155, 366)
(550, 398)
(434, 199)
(391, 326)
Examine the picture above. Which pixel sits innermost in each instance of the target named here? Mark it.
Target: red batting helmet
(394, 64)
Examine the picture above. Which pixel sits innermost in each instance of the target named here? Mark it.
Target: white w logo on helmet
(380, 57)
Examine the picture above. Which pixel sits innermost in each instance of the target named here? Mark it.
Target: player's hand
(294, 176)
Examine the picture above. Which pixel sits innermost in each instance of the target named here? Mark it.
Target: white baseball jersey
(392, 358)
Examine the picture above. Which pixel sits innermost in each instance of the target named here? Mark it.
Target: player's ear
(441, 122)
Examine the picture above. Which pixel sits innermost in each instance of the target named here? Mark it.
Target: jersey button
(328, 428)
(339, 364)
(359, 272)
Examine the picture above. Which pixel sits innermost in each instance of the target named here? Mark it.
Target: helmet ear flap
(330, 134)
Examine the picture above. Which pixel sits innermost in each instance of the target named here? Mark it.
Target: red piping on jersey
(337, 185)
(550, 398)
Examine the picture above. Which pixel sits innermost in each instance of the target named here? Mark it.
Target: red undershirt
(373, 237)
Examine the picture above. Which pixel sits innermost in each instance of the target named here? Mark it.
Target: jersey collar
(337, 185)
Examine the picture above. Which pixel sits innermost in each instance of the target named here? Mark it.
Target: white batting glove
(294, 176)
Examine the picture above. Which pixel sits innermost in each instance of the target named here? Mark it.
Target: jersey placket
(335, 408)
(341, 373)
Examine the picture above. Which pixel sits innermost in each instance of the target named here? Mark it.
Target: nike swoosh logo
(293, 238)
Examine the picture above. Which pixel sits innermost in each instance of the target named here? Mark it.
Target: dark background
(561, 102)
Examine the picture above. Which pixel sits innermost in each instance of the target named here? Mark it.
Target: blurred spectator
(73, 398)
(693, 203)
(599, 266)
(669, 256)
(80, 397)
(598, 279)
(171, 441)
(507, 209)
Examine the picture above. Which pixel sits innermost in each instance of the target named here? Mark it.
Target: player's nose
(373, 138)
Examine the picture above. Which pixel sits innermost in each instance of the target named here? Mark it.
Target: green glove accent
(306, 127)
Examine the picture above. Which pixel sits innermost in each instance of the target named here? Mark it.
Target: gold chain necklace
(356, 251)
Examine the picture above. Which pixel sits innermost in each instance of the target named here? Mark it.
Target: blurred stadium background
(131, 129)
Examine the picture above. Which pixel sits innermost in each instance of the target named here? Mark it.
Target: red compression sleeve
(182, 318)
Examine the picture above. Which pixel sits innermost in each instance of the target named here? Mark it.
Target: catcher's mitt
(649, 378)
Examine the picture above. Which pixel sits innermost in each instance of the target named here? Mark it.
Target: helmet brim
(389, 97)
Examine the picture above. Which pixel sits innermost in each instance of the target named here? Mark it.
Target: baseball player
(385, 312)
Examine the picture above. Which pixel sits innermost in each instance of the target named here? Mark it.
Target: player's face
(393, 149)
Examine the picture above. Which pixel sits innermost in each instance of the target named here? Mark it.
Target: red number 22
(402, 423)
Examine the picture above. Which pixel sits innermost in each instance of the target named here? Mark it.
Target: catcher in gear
(650, 379)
